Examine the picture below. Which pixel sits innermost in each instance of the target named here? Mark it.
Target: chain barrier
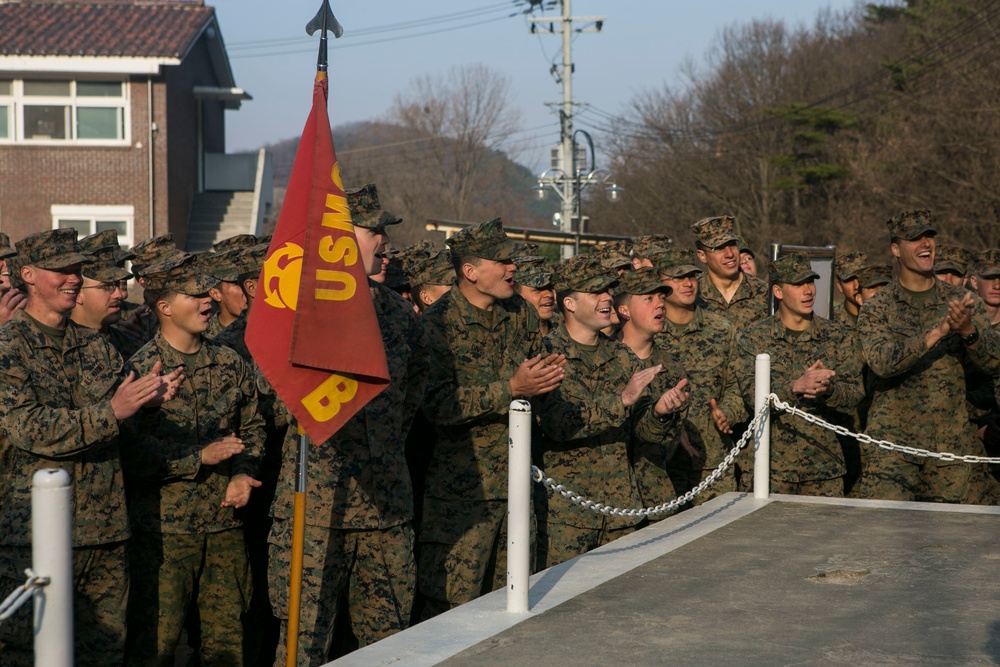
(22, 594)
(539, 476)
(884, 444)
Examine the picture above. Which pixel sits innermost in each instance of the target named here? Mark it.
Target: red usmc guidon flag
(312, 328)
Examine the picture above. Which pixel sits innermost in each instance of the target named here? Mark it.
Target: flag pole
(323, 21)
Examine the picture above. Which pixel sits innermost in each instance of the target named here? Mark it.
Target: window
(64, 111)
(87, 220)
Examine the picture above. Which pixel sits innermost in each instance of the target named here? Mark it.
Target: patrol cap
(641, 281)
(715, 232)
(51, 250)
(223, 266)
(745, 247)
(875, 275)
(366, 211)
(792, 269)
(533, 271)
(5, 249)
(526, 249)
(487, 240)
(910, 224)
(102, 241)
(583, 273)
(614, 254)
(848, 265)
(649, 245)
(435, 269)
(179, 274)
(251, 260)
(105, 267)
(677, 263)
(988, 263)
(952, 258)
(153, 251)
(238, 242)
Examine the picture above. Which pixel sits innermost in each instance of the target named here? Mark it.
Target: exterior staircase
(218, 215)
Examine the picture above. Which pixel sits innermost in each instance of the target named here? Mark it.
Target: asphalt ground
(739, 581)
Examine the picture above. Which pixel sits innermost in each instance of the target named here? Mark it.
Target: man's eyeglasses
(110, 288)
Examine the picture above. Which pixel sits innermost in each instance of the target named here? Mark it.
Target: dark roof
(122, 28)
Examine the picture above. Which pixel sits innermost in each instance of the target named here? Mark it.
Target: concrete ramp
(738, 581)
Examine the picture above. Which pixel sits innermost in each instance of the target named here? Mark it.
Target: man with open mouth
(724, 288)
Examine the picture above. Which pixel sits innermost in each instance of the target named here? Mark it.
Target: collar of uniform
(816, 330)
(472, 315)
(76, 335)
(696, 323)
(171, 358)
(707, 287)
(904, 295)
(563, 343)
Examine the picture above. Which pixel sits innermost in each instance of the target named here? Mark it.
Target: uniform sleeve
(886, 353)
(986, 354)
(251, 422)
(571, 411)
(56, 432)
(459, 394)
(848, 386)
(730, 401)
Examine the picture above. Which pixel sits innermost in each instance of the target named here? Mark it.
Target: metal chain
(539, 476)
(884, 444)
(22, 594)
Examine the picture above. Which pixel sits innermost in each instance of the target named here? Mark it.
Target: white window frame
(95, 213)
(17, 101)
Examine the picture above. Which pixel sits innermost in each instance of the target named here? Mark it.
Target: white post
(519, 508)
(52, 557)
(762, 443)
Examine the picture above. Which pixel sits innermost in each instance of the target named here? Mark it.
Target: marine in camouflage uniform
(57, 387)
(846, 268)
(806, 459)
(150, 252)
(593, 421)
(704, 343)
(480, 335)
(644, 249)
(718, 248)
(186, 478)
(614, 255)
(229, 300)
(358, 533)
(640, 300)
(533, 282)
(919, 335)
(951, 264)
(99, 303)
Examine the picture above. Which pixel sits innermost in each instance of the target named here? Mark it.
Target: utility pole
(563, 178)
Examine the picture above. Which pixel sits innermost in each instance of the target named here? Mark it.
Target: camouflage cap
(677, 263)
(744, 246)
(105, 267)
(179, 274)
(526, 249)
(715, 232)
(223, 266)
(641, 281)
(644, 247)
(251, 260)
(952, 258)
(909, 225)
(988, 263)
(533, 271)
(435, 269)
(875, 275)
(52, 249)
(153, 251)
(848, 265)
(102, 241)
(583, 273)
(792, 269)
(237, 242)
(614, 254)
(365, 209)
(487, 240)
(5, 249)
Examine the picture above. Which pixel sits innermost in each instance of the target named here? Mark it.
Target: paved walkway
(738, 581)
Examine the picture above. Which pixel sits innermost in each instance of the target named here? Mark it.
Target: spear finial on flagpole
(324, 21)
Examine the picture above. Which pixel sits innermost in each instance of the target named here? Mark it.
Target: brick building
(112, 114)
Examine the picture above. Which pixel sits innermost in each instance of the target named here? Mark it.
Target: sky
(389, 43)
